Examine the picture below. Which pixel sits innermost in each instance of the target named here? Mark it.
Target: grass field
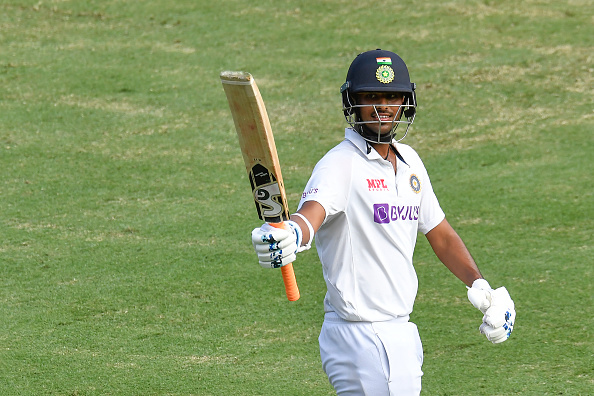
(125, 212)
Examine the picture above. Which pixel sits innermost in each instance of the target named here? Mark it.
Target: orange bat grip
(288, 274)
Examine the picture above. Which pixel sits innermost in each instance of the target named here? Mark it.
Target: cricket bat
(260, 157)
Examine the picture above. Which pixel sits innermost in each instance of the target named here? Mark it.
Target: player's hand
(499, 319)
(276, 247)
(498, 309)
(480, 295)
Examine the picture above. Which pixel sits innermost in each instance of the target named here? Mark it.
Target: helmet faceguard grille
(404, 114)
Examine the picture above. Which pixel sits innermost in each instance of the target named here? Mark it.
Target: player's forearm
(452, 252)
(313, 213)
(459, 261)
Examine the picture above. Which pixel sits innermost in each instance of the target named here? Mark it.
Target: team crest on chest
(415, 184)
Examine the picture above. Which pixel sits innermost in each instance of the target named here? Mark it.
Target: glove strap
(311, 233)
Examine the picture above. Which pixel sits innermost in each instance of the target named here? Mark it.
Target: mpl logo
(377, 185)
(384, 213)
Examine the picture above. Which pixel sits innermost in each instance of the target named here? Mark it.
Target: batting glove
(498, 309)
(276, 247)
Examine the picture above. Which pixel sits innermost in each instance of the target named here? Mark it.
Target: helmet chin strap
(374, 137)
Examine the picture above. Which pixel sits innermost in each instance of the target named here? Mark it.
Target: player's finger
(495, 316)
(276, 254)
(265, 246)
(277, 261)
(271, 235)
(494, 334)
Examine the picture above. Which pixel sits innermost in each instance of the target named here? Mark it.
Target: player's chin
(385, 126)
(384, 131)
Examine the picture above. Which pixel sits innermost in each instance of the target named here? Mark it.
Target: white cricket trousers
(371, 358)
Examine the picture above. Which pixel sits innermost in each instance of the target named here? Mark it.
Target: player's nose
(382, 99)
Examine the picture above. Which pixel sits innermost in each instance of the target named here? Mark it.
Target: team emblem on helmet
(385, 74)
(415, 184)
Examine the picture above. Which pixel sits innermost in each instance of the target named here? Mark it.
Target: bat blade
(260, 156)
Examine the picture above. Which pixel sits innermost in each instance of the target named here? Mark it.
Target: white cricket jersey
(367, 239)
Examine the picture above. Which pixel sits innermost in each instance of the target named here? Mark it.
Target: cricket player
(366, 200)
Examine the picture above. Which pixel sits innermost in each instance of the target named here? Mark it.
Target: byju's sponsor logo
(384, 213)
(381, 213)
(312, 190)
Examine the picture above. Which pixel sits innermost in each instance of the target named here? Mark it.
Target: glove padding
(498, 309)
(276, 247)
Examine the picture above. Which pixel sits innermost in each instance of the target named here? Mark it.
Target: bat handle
(288, 274)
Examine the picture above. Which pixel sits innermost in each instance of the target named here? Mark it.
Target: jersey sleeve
(329, 184)
(430, 212)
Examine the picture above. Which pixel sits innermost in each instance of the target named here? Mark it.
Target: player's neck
(382, 149)
(387, 153)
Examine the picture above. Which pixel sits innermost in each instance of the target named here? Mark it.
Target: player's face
(380, 106)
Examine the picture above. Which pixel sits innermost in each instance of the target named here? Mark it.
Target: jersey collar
(351, 135)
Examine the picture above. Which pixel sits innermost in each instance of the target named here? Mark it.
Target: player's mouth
(383, 117)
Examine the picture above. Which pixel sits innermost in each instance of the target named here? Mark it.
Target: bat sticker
(267, 195)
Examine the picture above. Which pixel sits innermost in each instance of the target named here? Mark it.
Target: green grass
(126, 266)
